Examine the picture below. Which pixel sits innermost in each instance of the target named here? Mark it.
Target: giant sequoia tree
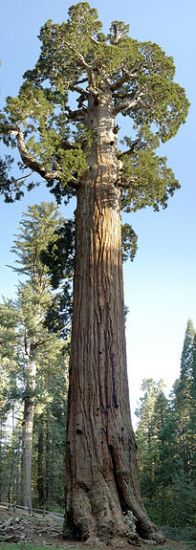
(64, 123)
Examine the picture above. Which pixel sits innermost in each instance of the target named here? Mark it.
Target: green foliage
(25, 335)
(193, 373)
(147, 433)
(10, 188)
(181, 534)
(187, 352)
(165, 434)
(184, 410)
(149, 181)
(141, 76)
(129, 242)
(59, 254)
(36, 231)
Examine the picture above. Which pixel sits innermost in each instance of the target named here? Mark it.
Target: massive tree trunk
(102, 488)
(29, 406)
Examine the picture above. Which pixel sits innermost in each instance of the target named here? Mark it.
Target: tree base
(102, 531)
(116, 542)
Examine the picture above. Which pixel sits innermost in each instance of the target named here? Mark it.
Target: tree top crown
(77, 62)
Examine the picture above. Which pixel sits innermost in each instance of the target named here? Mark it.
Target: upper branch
(135, 145)
(78, 114)
(126, 77)
(68, 145)
(81, 81)
(89, 68)
(79, 89)
(80, 56)
(130, 103)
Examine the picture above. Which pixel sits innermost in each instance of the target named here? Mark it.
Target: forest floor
(20, 531)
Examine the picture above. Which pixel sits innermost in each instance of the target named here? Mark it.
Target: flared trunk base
(97, 520)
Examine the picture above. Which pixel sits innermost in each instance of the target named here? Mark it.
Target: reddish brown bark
(102, 488)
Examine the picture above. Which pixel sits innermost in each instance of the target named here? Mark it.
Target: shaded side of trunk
(29, 406)
(102, 492)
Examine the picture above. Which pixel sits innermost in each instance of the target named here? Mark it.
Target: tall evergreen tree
(187, 352)
(193, 383)
(165, 436)
(10, 394)
(76, 152)
(164, 459)
(184, 411)
(7, 364)
(146, 435)
(183, 401)
(25, 398)
(49, 432)
(25, 320)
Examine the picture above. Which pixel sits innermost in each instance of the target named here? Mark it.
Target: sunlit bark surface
(102, 490)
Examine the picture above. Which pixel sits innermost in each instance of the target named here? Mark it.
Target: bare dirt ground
(17, 527)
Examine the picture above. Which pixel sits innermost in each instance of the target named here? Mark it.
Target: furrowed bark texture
(101, 487)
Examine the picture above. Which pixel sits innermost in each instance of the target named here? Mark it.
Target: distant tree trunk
(29, 406)
(40, 462)
(18, 474)
(12, 480)
(47, 461)
(102, 488)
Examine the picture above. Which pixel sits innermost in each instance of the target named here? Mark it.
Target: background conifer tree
(29, 349)
(166, 441)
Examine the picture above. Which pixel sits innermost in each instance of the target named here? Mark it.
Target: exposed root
(94, 542)
(95, 516)
(149, 532)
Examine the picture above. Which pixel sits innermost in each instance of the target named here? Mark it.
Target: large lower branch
(29, 160)
(32, 163)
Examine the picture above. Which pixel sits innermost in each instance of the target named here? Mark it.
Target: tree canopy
(54, 137)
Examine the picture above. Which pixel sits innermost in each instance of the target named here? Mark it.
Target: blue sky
(160, 285)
